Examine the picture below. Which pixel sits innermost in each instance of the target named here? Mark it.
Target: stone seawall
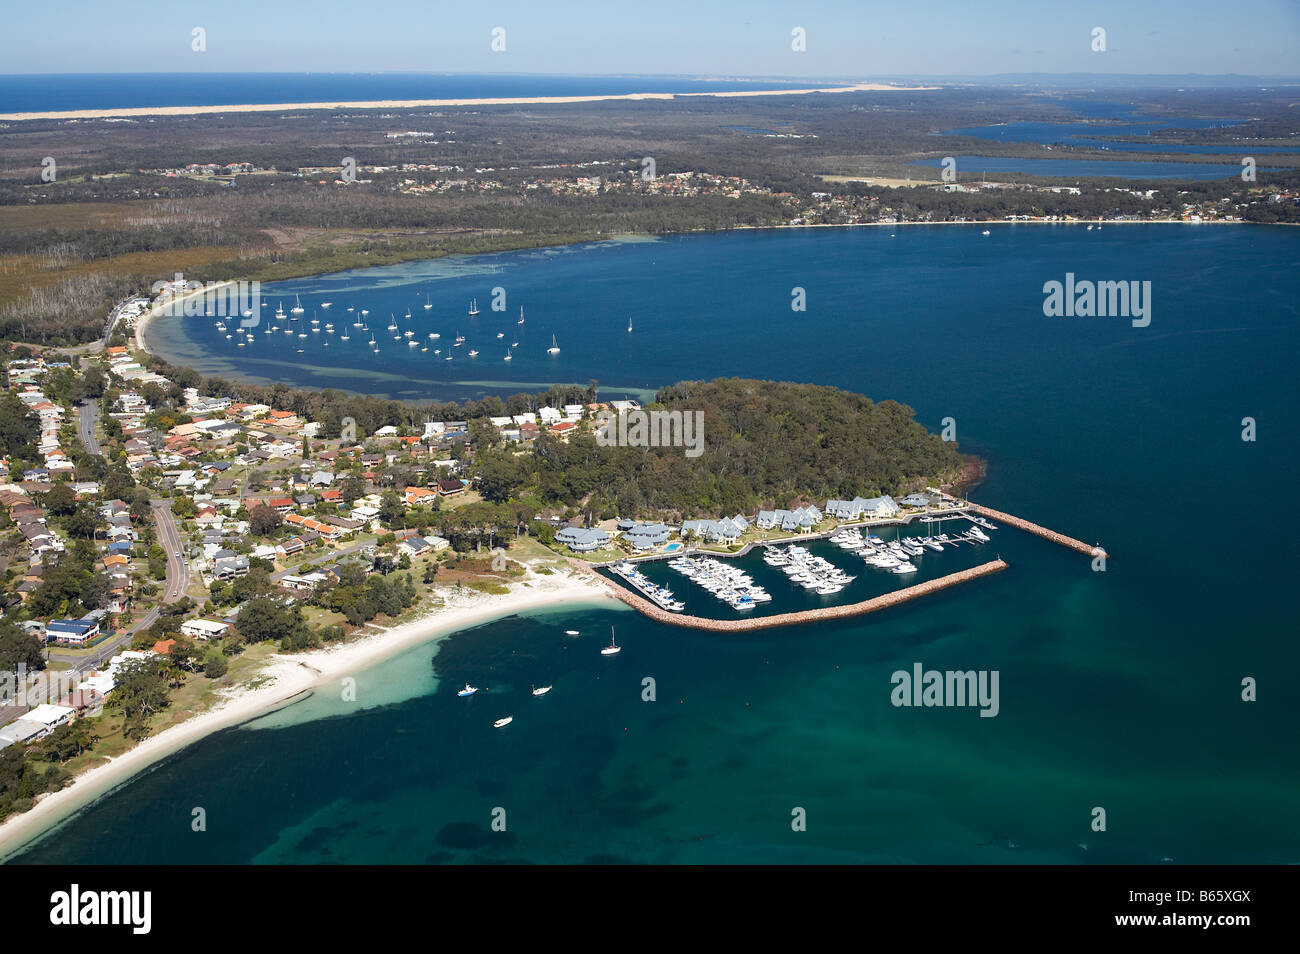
(884, 601)
(1043, 532)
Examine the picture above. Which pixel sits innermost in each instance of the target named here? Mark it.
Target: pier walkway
(883, 601)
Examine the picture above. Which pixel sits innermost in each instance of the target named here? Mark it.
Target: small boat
(986, 232)
(472, 352)
(467, 691)
(570, 632)
(501, 334)
(473, 307)
(541, 690)
(613, 648)
(427, 303)
(365, 311)
(326, 304)
(554, 348)
(500, 723)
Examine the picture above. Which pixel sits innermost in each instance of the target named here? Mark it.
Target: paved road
(169, 538)
(86, 420)
(178, 580)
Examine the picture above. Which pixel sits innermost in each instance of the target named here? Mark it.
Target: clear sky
(696, 37)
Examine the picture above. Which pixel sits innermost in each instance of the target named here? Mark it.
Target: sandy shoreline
(128, 112)
(288, 677)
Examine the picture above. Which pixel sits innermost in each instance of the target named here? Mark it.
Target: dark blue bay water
(1118, 689)
(69, 91)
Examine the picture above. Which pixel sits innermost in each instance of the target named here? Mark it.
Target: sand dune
(128, 112)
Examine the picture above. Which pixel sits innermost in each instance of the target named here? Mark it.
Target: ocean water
(1118, 689)
(71, 91)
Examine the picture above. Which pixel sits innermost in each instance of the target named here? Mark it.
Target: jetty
(883, 601)
(1052, 535)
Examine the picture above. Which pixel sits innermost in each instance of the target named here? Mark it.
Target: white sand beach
(135, 111)
(289, 676)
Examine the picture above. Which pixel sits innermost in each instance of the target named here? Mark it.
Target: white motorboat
(467, 691)
(570, 632)
(500, 723)
(541, 690)
(978, 534)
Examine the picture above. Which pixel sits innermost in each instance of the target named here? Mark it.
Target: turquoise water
(1118, 689)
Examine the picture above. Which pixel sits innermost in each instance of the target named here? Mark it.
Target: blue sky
(726, 37)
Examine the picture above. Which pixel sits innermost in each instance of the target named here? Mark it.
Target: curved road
(177, 582)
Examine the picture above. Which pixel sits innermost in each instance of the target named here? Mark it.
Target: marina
(730, 584)
(659, 595)
(908, 549)
(807, 616)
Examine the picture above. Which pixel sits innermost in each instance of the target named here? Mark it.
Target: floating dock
(883, 601)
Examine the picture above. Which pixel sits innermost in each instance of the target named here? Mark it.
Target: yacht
(413, 343)
(392, 325)
(326, 304)
(629, 325)
(408, 314)
(613, 648)
(427, 303)
(508, 356)
(501, 723)
(903, 568)
(501, 334)
(986, 232)
(473, 307)
(978, 534)
(279, 310)
(297, 306)
(344, 336)
(541, 690)
(554, 348)
(460, 340)
(521, 315)
(365, 311)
